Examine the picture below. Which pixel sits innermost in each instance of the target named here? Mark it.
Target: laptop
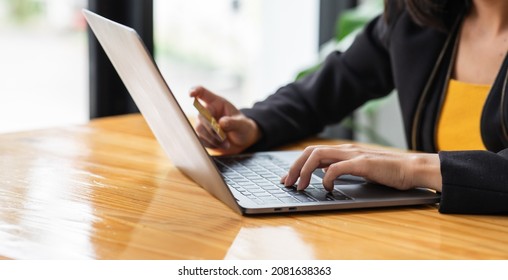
(247, 183)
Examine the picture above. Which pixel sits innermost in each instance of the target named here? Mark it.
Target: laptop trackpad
(342, 180)
(321, 194)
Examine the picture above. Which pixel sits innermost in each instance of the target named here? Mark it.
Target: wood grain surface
(106, 190)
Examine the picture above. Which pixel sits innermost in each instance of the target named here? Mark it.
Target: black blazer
(417, 61)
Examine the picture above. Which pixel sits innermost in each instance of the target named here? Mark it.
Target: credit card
(211, 121)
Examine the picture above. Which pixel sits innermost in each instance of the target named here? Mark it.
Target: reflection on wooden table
(106, 190)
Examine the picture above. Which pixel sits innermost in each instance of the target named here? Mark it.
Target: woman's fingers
(203, 94)
(294, 171)
(314, 157)
(207, 136)
(319, 157)
(352, 166)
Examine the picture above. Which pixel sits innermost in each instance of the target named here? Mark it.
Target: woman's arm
(344, 82)
(474, 182)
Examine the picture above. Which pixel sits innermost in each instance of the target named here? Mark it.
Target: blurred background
(243, 50)
(43, 64)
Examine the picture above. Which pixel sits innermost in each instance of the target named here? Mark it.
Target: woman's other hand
(241, 132)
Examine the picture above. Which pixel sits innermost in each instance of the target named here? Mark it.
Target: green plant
(22, 11)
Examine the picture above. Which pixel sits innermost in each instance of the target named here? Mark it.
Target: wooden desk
(105, 190)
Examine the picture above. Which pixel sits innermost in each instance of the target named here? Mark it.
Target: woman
(448, 62)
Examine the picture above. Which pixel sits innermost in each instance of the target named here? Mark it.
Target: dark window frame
(108, 95)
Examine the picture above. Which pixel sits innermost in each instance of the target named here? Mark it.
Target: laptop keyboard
(257, 177)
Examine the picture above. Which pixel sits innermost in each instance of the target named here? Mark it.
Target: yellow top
(459, 123)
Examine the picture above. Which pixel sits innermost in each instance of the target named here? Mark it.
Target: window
(242, 50)
(44, 64)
